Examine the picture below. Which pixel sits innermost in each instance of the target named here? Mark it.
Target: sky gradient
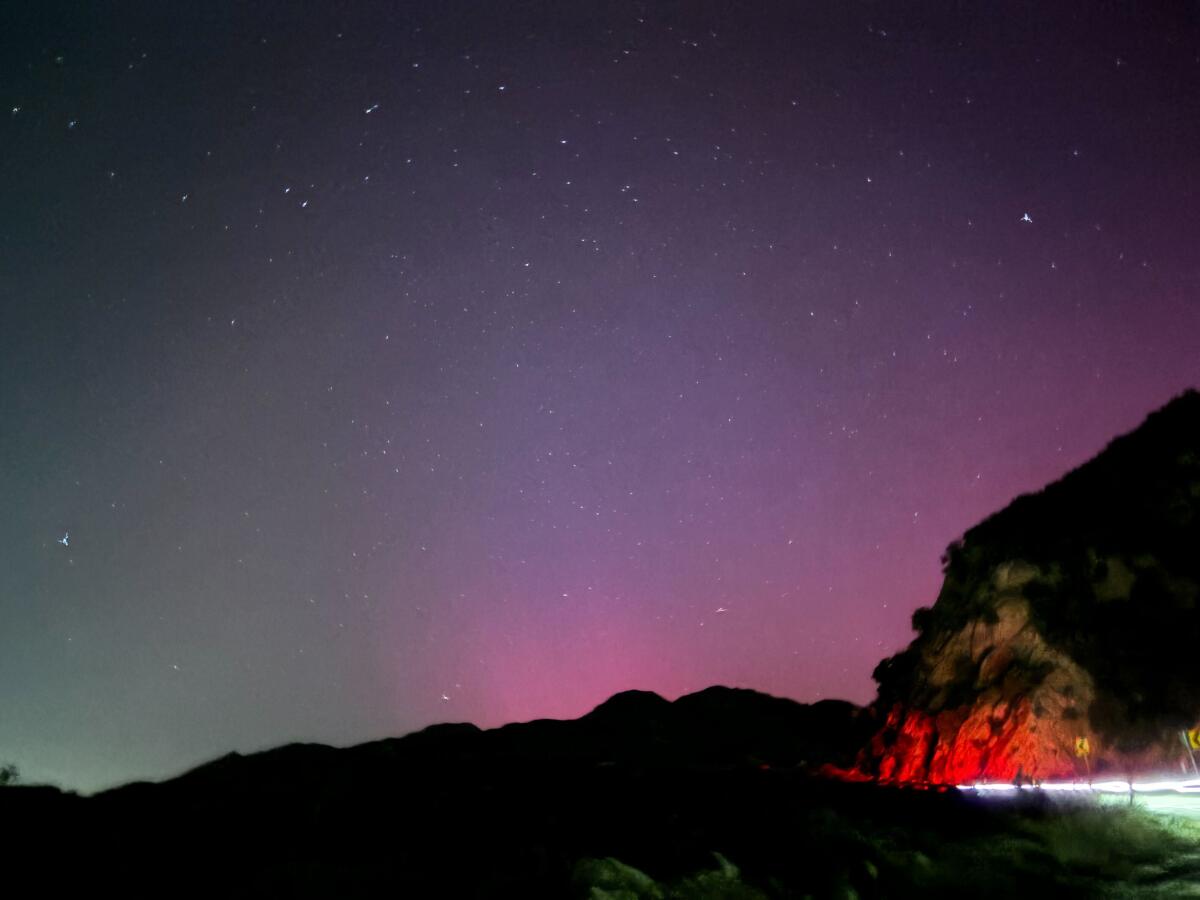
(386, 364)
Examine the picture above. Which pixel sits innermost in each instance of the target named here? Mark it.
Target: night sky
(364, 366)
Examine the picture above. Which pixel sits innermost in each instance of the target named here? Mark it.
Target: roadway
(1167, 797)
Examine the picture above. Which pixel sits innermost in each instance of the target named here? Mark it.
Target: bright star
(1027, 218)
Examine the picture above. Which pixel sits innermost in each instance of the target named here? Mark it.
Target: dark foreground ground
(709, 796)
(610, 832)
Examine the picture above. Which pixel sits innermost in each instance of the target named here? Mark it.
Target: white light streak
(1178, 786)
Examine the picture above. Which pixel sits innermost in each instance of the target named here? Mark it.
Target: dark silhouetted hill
(452, 810)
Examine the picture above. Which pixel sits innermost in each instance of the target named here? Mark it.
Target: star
(1027, 218)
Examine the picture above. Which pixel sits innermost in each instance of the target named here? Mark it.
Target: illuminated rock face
(1072, 614)
(1026, 709)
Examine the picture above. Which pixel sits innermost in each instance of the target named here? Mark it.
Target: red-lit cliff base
(1007, 744)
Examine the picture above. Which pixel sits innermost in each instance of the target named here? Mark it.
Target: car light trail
(1187, 786)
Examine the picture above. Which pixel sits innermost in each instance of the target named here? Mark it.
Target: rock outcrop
(1066, 638)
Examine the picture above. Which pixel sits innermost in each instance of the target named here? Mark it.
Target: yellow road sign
(1082, 747)
(1193, 736)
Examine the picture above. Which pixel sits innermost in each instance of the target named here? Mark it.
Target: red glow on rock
(1002, 743)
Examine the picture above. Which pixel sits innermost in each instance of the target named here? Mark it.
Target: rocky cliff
(1066, 636)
